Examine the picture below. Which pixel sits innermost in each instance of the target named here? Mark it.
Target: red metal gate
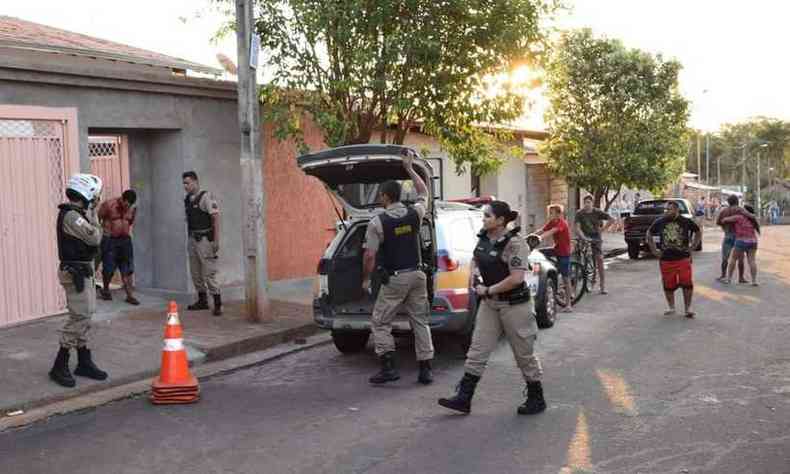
(38, 150)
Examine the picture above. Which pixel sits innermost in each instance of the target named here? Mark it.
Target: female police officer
(501, 257)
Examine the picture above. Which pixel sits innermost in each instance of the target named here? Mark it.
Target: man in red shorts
(677, 235)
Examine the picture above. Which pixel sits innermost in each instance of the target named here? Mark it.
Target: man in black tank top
(392, 245)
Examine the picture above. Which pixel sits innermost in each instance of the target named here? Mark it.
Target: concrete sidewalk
(127, 343)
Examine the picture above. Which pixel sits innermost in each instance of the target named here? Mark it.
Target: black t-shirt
(676, 235)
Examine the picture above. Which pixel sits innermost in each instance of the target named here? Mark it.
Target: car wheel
(546, 304)
(350, 342)
(633, 250)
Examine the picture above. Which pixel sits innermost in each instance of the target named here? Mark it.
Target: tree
(378, 68)
(615, 116)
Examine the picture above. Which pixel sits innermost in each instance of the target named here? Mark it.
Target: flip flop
(754, 283)
(603, 292)
(670, 312)
(690, 314)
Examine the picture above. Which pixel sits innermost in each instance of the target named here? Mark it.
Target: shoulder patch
(516, 261)
(80, 222)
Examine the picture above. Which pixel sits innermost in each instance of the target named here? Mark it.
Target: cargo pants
(410, 290)
(521, 330)
(82, 307)
(203, 265)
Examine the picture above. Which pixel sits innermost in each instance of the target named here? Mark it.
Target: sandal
(690, 314)
(132, 300)
(670, 312)
(106, 295)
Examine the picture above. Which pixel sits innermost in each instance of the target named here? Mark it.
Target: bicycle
(582, 253)
(577, 277)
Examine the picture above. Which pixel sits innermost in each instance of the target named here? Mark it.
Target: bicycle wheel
(578, 279)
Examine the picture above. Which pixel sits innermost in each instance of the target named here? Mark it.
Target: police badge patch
(516, 261)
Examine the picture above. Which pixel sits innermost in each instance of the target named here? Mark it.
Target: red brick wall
(300, 219)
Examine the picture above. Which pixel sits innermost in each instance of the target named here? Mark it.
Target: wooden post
(252, 190)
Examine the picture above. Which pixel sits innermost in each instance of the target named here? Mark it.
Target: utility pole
(253, 200)
(743, 170)
(699, 164)
(759, 200)
(718, 171)
(707, 158)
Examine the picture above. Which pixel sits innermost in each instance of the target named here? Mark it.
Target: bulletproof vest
(488, 256)
(70, 248)
(400, 248)
(197, 218)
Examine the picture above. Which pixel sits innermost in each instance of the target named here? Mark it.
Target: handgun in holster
(383, 274)
(79, 272)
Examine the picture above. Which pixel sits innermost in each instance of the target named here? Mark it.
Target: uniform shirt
(84, 228)
(590, 222)
(516, 254)
(675, 234)
(117, 219)
(375, 231)
(562, 238)
(207, 203)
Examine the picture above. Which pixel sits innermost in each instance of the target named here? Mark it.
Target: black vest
(400, 248)
(197, 218)
(70, 248)
(488, 256)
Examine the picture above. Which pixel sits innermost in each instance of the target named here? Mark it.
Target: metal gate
(110, 162)
(38, 149)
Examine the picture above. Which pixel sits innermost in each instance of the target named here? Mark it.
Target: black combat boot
(426, 374)
(60, 372)
(534, 403)
(388, 371)
(86, 367)
(465, 390)
(200, 304)
(217, 305)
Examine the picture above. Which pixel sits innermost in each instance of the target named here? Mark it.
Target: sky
(733, 52)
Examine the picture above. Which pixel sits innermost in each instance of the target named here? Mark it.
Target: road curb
(220, 360)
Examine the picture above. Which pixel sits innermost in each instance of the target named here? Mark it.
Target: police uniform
(79, 236)
(199, 210)
(503, 313)
(395, 237)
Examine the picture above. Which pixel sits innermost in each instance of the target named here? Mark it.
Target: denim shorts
(745, 245)
(564, 266)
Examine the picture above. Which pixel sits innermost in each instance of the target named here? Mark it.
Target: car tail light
(447, 264)
(451, 299)
(323, 266)
(439, 308)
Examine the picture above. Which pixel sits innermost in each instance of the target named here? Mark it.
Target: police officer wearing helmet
(79, 236)
(501, 259)
(392, 246)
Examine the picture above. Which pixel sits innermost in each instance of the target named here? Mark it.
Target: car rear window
(658, 207)
(457, 232)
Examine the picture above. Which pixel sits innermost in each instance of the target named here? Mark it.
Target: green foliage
(616, 116)
(738, 164)
(357, 67)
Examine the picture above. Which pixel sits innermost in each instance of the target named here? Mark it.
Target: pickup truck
(645, 213)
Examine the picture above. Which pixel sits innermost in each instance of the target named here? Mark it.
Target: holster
(79, 272)
(383, 275)
(200, 235)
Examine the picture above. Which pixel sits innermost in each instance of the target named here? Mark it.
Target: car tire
(350, 342)
(633, 250)
(546, 303)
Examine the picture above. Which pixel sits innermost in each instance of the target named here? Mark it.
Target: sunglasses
(488, 215)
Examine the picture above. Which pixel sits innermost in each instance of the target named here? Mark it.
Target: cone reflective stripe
(175, 383)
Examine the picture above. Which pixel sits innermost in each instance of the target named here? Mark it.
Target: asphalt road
(629, 390)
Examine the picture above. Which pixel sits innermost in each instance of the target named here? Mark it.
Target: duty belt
(403, 270)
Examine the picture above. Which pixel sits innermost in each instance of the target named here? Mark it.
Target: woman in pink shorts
(746, 230)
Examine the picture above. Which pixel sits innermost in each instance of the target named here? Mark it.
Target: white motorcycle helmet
(86, 185)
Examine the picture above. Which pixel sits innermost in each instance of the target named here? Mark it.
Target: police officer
(202, 213)
(501, 258)
(79, 236)
(393, 248)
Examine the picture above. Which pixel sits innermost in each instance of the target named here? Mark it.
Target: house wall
(168, 134)
(298, 208)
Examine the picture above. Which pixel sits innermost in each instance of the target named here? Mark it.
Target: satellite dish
(227, 64)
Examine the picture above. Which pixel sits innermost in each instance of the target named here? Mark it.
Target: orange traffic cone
(175, 383)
